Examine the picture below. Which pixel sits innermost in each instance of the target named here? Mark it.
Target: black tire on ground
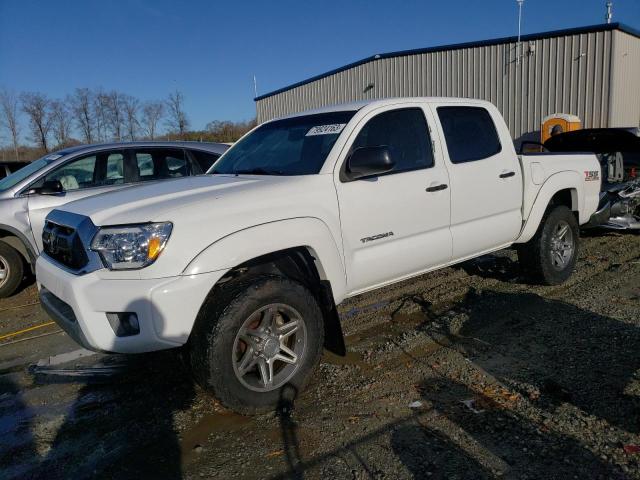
(213, 344)
(542, 258)
(12, 266)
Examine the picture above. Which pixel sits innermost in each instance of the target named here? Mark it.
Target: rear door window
(161, 163)
(114, 174)
(469, 132)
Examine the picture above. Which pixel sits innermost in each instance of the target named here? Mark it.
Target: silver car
(28, 195)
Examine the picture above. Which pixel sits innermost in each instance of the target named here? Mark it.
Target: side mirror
(50, 187)
(369, 161)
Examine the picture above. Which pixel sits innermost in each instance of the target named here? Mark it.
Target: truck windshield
(292, 146)
(8, 182)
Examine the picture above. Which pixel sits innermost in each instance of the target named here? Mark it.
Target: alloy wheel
(562, 245)
(5, 271)
(269, 347)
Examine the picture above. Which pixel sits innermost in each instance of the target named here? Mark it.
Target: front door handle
(507, 174)
(437, 188)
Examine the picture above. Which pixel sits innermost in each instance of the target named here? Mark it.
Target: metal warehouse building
(592, 72)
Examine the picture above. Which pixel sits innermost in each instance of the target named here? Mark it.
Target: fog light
(124, 324)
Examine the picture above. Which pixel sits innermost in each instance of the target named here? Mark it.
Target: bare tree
(100, 107)
(60, 122)
(82, 108)
(36, 106)
(152, 113)
(131, 107)
(115, 114)
(177, 121)
(9, 119)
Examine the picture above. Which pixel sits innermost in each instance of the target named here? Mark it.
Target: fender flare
(567, 180)
(244, 245)
(19, 242)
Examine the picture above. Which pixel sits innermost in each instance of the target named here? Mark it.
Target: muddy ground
(468, 372)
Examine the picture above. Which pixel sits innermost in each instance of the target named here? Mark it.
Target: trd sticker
(376, 237)
(325, 129)
(591, 175)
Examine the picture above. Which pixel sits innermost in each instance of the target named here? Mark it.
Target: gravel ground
(468, 372)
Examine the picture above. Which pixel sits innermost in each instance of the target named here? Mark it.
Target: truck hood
(208, 208)
(154, 202)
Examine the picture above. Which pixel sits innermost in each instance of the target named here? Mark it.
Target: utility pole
(255, 87)
(518, 47)
(609, 11)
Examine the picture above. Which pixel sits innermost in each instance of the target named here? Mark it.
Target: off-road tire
(218, 322)
(535, 255)
(14, 266)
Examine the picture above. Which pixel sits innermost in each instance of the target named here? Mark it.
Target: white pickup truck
(245, 265)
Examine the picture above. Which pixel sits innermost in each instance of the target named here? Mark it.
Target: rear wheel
(11, 270)
(550, 256)
(252, 340)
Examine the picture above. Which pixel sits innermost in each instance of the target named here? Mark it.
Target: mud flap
(333, 335)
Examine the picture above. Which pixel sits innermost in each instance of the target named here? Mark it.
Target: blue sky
(210, 50)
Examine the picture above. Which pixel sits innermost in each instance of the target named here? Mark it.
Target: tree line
(98, 116)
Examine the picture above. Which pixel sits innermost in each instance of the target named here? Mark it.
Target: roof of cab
(379, 102)
(207, 146)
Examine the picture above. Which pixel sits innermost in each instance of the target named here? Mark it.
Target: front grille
(63, 244)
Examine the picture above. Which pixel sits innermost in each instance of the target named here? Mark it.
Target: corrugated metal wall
(624, 110)
(569, 74)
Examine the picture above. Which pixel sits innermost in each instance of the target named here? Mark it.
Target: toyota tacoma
(244, 266)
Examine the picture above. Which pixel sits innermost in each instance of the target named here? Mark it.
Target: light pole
(520, 2)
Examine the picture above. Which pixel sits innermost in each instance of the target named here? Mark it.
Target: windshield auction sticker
(326, 129)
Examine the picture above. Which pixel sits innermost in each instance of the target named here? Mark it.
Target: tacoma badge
(376, 237)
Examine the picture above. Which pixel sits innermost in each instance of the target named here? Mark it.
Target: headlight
(131, 246)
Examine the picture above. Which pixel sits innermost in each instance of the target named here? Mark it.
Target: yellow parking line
(2, 337)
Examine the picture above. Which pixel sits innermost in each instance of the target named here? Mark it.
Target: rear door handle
(437, 188)
(507, 174)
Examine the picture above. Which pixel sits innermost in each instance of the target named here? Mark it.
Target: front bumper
(166, 307)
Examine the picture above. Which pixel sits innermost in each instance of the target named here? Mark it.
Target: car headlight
(131, 246)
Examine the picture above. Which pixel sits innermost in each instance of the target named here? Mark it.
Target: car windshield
(292, 146)
(16, 177)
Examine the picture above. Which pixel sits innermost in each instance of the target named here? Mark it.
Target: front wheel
(252, 340)
(11, 270)
(550, 256)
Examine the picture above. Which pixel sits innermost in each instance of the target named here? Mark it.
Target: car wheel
(251, 340)
(11, 270)
(550, 256)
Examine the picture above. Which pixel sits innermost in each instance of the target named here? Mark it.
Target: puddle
(198, 436)
(11, 422)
